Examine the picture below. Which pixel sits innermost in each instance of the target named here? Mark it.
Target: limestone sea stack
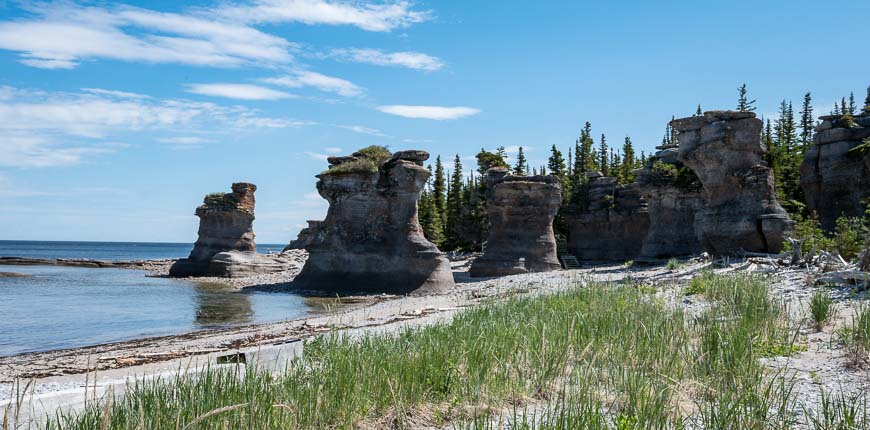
(608, 222)
(306, 236)
(371, 240)
(226, 246)
(835, 173)
(521, 211)
(673, 194)
(741, 212)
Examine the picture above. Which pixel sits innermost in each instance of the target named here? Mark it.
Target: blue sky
(116, 118)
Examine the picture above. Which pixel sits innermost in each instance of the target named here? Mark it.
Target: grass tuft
(821, 308)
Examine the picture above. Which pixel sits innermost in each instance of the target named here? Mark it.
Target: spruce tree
(603, 161)
(698, 111)
(453, 221)
(867, 102)
(743, 103)
(626, 174)
(556, 163)
(487, 160)
(853, 109)
(587, 151)
(787, 159)
(522, 167)
(807, 123)
(439, 189)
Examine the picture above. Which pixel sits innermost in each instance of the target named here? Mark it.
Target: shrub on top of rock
(365, 160)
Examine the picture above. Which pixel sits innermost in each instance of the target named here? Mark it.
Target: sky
(117, 118)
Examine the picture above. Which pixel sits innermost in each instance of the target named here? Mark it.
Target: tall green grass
(605, 356)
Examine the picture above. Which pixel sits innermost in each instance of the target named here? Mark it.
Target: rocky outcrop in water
(371, 240)
(609, 222)
(673, 196)
(521, 211)
(740, 212)
(835, 173)
(306, 236)
(226, 246)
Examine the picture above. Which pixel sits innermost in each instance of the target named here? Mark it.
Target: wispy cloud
(411, 60)
(238, 91)
(429, 112)
(332, 150)
(317, 156)
(40, 129)
(383, 16)
(363, 130)
(304, 78)
(115, 93)
(61, 35)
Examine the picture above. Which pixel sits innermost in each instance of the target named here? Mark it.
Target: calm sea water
(66, 307)
(113, 251)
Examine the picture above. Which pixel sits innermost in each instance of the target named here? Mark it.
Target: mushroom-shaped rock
(521, 211)
(371, 240)
(226, 246)
(741, 212)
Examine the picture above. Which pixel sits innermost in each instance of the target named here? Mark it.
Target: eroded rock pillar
(521, 211)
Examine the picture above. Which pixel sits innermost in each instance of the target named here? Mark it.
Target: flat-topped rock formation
(306, 236)
(673, 196)
(521, 211)
(610, 222)
(740, 210)
(835, 173)
(371, 240)
(226, 246)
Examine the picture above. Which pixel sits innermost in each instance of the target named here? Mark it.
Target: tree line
(452, 208)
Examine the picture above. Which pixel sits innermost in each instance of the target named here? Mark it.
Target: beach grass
(599, 356)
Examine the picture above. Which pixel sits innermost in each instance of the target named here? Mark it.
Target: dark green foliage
(220, 200)
(439, 193)
(628, 164)
(743, 103)
(522, 167)
(487, 160)
(603, 159)
(556, 163)
(698, 111)
(867, 102)
(850, 235)
(681, 177)
(786, 153)
(370, 160)
(807, 123)
(453, 234)
(375, 152)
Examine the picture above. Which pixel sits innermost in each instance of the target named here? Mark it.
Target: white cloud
(317, 156)
(332, 150)
(384, 16)
(363, 130)
(10, 189)
(322, 82)
(61, 35)
(114, 93)
(184, 140)
(238, 91)
(429, 112)
(411, 60)
(39, 129)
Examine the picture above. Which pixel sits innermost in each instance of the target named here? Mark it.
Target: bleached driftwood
(845, 277)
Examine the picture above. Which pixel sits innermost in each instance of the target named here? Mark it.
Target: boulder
(835, 177)
(226, 246)
(521, 211)
(371, 240)
(673, 196)
(741, 212)
(609, 221)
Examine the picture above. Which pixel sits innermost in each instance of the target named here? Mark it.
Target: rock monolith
(226, 245)
(741, 212)
(371, 240)
(306, 236)
(835, 173)
(521, 211)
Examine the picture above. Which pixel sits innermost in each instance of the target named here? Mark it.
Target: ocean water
(56, 307)
(113, 251)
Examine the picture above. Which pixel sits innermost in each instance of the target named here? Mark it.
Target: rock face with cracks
(226, 246)
(673, 196)
(740, 210)
(835, 173)
(371, 240)
(521, 211)
(306, 236)
(609, 222)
